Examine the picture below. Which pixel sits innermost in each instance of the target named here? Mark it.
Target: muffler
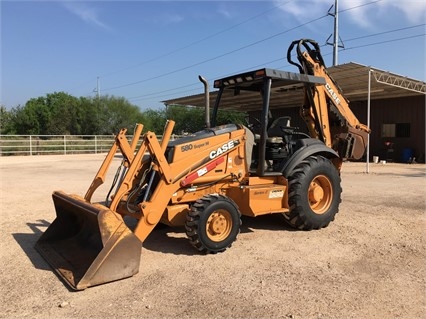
(88, 244)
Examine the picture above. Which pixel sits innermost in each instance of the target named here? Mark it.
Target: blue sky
(149, 51)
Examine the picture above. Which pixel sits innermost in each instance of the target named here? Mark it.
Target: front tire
(213, 223)
(314, 194)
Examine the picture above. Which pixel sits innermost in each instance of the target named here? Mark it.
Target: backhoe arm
(326, 111)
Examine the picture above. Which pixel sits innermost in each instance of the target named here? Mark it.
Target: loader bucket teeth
(88, 244)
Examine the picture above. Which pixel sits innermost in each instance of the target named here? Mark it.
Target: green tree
(56, 113)
(154, 120)
(30, 118)
(228, 117)
(188, 119)
(65, 114)
(59, 113)
(89, 120)
(192, 119)
(6, 121)
(115, 113)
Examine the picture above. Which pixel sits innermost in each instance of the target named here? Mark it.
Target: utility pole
(336, 37)
(98, 89)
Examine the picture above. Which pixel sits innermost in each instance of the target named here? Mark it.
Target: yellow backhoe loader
(207, 180)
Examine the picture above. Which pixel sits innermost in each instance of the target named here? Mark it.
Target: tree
(116, 113)
(59, 113)
(89, 120)
(56, 113)
(192, 119)
(154, 120)
(65, 114)
(227, 117)
(6, 122)
(29, 119)
(188, 119)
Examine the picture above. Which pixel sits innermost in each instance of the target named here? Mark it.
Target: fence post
(65, 145)
(31, 145)
(96, 145)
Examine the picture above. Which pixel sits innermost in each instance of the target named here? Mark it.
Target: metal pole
(368, 120)
(336, 33)
(98, 89)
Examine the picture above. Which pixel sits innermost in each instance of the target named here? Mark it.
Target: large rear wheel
(213, 223)
(314, 194)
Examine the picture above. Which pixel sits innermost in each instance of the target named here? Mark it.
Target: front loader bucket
(88, 244)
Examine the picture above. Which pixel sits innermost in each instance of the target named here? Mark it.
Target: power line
(385, 32)
(233, 51)
(386, 41)
(216, 57)
(144, 96)
(154, 93)
(359, 6)
(198, 41)
(158, 93)
(218, 33)
(350, 48)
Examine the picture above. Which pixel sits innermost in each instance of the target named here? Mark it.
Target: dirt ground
(369, 263)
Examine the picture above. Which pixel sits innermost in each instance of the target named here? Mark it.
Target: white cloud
(305, 9)
(172, 18)
(225, 13)
(85, 13)
(359, 11)
(414, 10)
(163, 19)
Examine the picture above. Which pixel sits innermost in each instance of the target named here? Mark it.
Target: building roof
(351, 77)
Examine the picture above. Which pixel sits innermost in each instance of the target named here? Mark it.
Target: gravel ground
(369, 263)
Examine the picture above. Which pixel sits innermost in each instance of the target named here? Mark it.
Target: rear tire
(314, 194)
(213, 223)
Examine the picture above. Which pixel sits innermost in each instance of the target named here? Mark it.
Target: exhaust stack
(207, 100)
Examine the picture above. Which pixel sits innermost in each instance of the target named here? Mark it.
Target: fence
(54, 144)
(59, 144)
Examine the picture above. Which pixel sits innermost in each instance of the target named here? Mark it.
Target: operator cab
(274, 140)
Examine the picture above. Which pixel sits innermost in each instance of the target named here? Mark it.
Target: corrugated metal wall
(389, 111)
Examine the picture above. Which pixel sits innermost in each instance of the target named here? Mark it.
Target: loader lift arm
(326, 105)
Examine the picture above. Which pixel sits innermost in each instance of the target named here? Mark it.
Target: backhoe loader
(205, 181)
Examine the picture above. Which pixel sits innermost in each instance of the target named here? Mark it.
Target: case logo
(332, 93)
(224, 148)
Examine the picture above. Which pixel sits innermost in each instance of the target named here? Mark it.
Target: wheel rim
(320, 194)
(219, 225)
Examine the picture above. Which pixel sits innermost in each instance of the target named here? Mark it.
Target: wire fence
(54, 144)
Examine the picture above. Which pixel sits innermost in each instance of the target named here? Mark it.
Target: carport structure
(392, 105)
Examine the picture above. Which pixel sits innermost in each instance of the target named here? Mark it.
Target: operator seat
(278, 126)
(249, 145)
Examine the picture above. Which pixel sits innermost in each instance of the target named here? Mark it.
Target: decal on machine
(276, 193)
(224, 148)
(332, 93)
(189, 147)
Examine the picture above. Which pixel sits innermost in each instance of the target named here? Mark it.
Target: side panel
(175, 215)
(260, 200)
